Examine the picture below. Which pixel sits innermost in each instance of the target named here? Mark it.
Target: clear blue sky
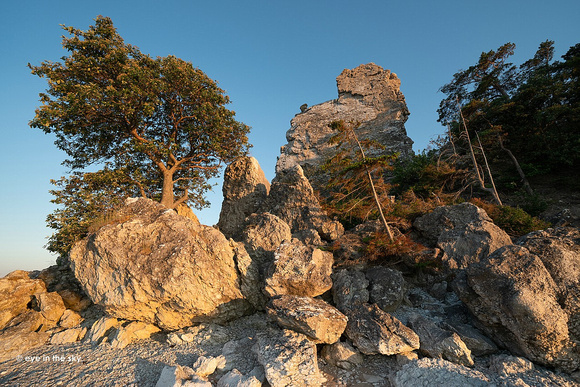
(270, 57)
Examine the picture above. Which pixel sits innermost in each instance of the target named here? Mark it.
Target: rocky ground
(141, 364)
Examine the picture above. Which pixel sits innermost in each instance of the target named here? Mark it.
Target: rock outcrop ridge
(367, 94)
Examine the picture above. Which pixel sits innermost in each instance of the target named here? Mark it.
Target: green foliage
(428, 175)
(513, 220)
(349, 193)
(108, 102)
(532, 110)
(82, 198)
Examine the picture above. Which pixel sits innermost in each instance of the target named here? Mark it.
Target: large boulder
(515, 299)
(349, 289)
(374, 332)
(321, 322)
(17, 291)
(440, 343)
(387, 287)
(559, 250)
(292, 199)
(367, 94)
(153, 265)
(299, 270)
(263, 234)
(289, 359)
(245, 187)
(464, 232)
(439, 372)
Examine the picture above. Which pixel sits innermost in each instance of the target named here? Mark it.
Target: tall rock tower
(367, 94)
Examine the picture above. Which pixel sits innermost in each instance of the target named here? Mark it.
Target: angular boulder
(559, 250)
(151, 264)
(464, 232)
(515, 299)
(299, 270)
(316, 319)
(440, 343)
(289, 359)
(136, 330)
(374, 332)
(349, 289)
(263, 234)
(17, 291)
(387, 287)
(245, 187)
(439, 372)
(342, 355)
(292, 199)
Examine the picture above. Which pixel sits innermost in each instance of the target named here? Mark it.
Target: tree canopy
(155, 127)
(161, 120)
(529, 112)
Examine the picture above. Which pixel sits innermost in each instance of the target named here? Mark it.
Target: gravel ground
(140, 364)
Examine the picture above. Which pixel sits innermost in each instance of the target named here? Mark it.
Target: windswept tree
(526, 117)
(160, 118)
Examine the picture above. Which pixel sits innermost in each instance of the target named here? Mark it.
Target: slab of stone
(374, 331)
(315, 318)
(289, 359)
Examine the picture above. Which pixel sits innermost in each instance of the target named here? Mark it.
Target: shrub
(513, 220)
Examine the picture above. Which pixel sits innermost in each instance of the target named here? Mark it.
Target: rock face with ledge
(367, 94)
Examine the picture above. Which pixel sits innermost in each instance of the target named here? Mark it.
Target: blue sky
(269, 56)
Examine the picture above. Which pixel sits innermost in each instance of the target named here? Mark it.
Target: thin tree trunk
(475, 165)
(495, 194)
(378, 203)
(527, 186)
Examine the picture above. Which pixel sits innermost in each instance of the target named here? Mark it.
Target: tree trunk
(517, 164)
(167, 198)
(495, 194)
(376, 197)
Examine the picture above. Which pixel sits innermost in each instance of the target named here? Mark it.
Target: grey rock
(299, 270)
(208, 334)
(514, 298)
(235, 378)
(559, 250)
(367, 94)
(315, 318)
(263, 234)
(440, 343)
(506, 365)
(103, 328)
(245, 188)
(289, 359)
(349, 289)
(156, 266)
(238, 355)
(292, 199)
(205, 366)
(136, 330)
(478, 343)
(438, 372)
(464, 232)
(341, 354)
(374, 331)
(387, 287)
